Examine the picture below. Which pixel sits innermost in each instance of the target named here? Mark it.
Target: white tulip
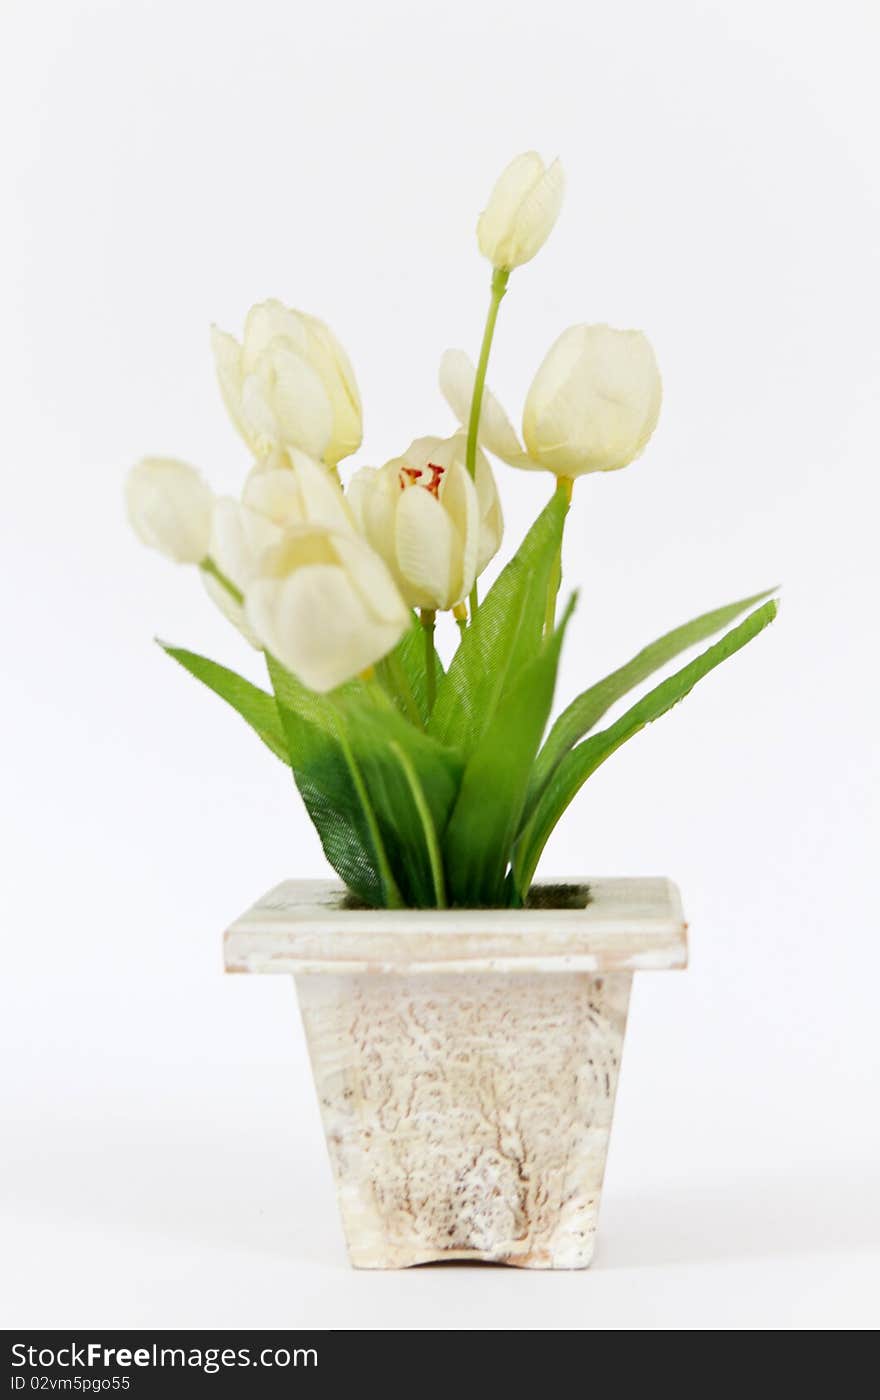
(324, 605)
(523, 207)
(433, 525)
(592, 406)
(289, 384)
(169, 507)
(241, 531)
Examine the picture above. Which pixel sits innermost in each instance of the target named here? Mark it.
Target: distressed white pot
(466, 1061)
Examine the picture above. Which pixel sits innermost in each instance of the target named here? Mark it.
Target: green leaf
(410, 778)
(392, 897)
(505, 634)
(253, 704)
(332, 787)
(403, 674)
(582, 761)
(345, 750)
(429, 827)
(482, 829)
(589, 707)
(302, 734)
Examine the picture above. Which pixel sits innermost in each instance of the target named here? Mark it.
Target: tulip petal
(539, 211)
(266, 322)
(276, 494)
(169, 507)
(594, 401)
(522, 211)
(373, 496)
(498, 218)
(323, 499)
(458, 498)
(327, 354)
(315, 622)
(359, 493)
(301, 404)
(274, 331)
(239, 537)
(491, 515)
(258, 414)
(228, 364)
(496, 432)
(428, 553)
(297, 546)
(371, 577)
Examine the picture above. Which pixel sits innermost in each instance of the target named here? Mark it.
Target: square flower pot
(466, 1061)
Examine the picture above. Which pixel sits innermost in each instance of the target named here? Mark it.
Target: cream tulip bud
(169, 507)
(523, 207)
(592, 406)
(433, 525)
(241, 531)
(288, 385)
(594, 402)
(325, 606)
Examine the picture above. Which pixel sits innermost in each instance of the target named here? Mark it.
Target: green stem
(208, 566)
(393, 897)
(500, 278)
(403, 688)
(565, 486)
(428, 827)
(428, 617)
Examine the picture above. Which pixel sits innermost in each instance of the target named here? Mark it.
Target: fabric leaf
(483, 826)
(583, 760)
(589, 707)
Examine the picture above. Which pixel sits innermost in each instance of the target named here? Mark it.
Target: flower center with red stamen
(434, 484)
(415, 474)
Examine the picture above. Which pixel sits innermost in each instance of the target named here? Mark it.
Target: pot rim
(621, 924)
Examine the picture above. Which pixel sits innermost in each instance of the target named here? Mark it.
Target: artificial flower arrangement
(429, 787)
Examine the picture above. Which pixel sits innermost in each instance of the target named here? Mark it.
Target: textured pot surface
(466, 1061)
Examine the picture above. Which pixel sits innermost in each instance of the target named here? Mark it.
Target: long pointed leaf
(327, 784)
(319, 765)
(378, 735)
(583, 760)
(254, 705)
(505, 634)
(429, 827)
(479, 839)
(392, 897)
(365, 806)
(585, 712)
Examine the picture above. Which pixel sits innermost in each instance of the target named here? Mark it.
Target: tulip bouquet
(429, 787)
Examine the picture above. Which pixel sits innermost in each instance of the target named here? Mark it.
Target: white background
(170, 162)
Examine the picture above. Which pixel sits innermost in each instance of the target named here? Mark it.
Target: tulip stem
(428, 618)
(564, 486)
(500, 278)
(459, 612)
(208, 567)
